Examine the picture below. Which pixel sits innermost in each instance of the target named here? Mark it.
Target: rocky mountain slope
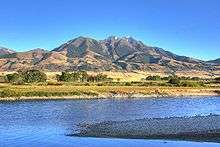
(217, 61)
(5, 51)
(111, 54)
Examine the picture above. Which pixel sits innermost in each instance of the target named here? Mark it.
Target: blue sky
(185, 27)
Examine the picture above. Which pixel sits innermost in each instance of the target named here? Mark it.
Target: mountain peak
(113, 38)
(113, 53)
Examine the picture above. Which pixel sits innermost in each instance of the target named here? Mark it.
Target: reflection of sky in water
(45, 123)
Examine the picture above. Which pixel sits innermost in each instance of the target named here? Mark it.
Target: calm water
(46, 123)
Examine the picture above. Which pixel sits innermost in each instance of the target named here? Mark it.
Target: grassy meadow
(122, 85)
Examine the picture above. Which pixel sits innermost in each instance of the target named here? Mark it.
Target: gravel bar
(197, 128)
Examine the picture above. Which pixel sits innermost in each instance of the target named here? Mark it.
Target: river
(48, 123)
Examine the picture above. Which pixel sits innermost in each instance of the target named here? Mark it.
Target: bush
(153, 78)
(166, 78)
(9, 93)
(128, 84)
(184, 78)
(192, 84)
(34, 76)
(3, 79)
(195, 78)
(174, 80)
(99, 78)
(217, 79)
(54, 83)
(65, 76)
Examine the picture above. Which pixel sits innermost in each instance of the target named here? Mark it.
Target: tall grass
(15, 93)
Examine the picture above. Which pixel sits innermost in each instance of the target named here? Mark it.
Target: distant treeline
(181, 81)
(158, 78)
(36, 76)
(21, 77)
(82, 76)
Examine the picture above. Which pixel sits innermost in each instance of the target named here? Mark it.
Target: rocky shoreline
(110, 96)
(197, 128)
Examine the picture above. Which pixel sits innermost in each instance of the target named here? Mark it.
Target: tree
(3, 79)
(73, 77)
(83, 76)
(153, 78)
(32, 76)
(65, 77)
(15, 78)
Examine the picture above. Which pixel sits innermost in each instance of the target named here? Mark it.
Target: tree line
(182, 81)
(21, 77)
(82, 76)
(158, 78)
(37, 76)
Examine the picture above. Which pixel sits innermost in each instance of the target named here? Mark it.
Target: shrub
(174, 80)
(3, 79)
(166, 78)
(54, 83)
(217, 79)
(34, 76)
(153, 78)
(192, 84)
(65, 76)
(9, 93)
(195, 78)
(98, 78)
(184, 78)
(128, 84)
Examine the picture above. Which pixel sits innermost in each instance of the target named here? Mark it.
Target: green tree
(83, 76)
(65, 77)
(3, 79)
(34, 76)
(15, 78)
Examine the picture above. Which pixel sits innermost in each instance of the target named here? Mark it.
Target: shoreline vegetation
(37, 85)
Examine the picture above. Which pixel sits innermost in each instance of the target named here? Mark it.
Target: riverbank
(197, 128)
(44, 92)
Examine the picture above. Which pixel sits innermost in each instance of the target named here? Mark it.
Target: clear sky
(185, 27)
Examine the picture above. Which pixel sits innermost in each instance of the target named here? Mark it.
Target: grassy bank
(35, 84)
(14, 92)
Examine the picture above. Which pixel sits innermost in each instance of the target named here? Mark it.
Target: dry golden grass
(54, 91)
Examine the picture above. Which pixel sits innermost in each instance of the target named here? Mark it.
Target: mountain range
(111, 54)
